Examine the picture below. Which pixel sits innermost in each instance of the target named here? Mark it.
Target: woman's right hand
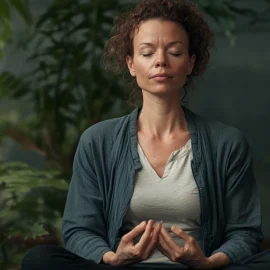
(128, 253)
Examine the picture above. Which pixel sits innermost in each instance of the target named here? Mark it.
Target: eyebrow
(151, 44)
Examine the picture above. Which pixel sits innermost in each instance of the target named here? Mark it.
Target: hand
(190, 254)
(128, 253)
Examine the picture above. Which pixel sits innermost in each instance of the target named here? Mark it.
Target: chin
(161, 90)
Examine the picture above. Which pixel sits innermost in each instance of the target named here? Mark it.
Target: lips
(165, 75)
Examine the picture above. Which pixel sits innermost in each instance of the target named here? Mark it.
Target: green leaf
(30, 209)
(23, 9)
(11, 86)
(30, 229)
(242, 11)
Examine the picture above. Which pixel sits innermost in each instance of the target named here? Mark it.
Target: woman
(160, 162)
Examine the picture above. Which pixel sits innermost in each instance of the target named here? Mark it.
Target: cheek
(142, 71)
(142, 79)
(183, 69)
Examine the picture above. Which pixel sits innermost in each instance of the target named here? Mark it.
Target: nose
(161, 60)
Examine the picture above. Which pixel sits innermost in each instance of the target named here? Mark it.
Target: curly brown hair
(201, 38)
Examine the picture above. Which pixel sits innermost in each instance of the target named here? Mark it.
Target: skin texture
(161, 114)
(160, 56)
(162, 127)
(128, 253)
(190, 253)
(161, 123)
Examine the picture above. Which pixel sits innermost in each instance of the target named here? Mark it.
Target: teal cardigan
(102, 184)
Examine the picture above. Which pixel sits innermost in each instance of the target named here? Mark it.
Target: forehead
(157, 29)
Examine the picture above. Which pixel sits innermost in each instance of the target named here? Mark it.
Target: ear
(130, 65)
(191, 64)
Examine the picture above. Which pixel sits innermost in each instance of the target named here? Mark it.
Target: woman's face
(160, 47)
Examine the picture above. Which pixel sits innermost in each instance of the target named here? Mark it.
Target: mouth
(161, 75)
(161, 78)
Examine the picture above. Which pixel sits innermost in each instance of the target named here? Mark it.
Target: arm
(242, 234)
(84, 228)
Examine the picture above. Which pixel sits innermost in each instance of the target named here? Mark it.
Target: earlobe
(130, 66)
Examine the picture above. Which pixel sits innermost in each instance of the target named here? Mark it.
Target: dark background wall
(235, 90)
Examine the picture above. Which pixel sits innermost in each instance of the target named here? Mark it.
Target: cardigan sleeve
(83, 227)
(242, 234)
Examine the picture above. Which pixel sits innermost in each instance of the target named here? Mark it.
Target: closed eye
(174, 54)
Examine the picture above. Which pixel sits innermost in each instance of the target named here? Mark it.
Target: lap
(50, 257)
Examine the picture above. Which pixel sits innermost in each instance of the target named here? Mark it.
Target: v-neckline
(166, 168)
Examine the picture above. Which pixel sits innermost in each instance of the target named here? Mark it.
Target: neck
(162, 117)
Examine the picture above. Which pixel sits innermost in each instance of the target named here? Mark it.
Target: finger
(173, 247)
(178, 254)
(146, 235)
(191, 246)
(181, 233)
(157, 228)
(164, 251)
(155, 232)
(162, 243)
(154, 239)
(134, 232)
(164, 248)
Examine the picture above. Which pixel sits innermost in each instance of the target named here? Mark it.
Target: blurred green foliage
(67, 91)
(31, 205)
(21, 6)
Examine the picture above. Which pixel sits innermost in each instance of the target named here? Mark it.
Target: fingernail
(142, 223)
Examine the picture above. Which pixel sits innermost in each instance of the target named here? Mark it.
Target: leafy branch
(6, 29)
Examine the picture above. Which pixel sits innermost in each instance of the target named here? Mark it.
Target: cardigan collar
(191, 122)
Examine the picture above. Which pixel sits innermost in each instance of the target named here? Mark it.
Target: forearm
(85, 244)
(218, 260)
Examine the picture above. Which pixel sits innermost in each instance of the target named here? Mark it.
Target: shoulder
(105, 130)
(229, 141)
(224, 137)
(225, 133)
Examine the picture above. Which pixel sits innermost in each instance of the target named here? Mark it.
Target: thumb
(176, 230)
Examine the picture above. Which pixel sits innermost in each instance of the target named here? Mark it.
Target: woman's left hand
(190, 253)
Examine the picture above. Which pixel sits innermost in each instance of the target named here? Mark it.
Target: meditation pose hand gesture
(161, 161)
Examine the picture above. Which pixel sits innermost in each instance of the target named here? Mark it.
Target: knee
(38, 258)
